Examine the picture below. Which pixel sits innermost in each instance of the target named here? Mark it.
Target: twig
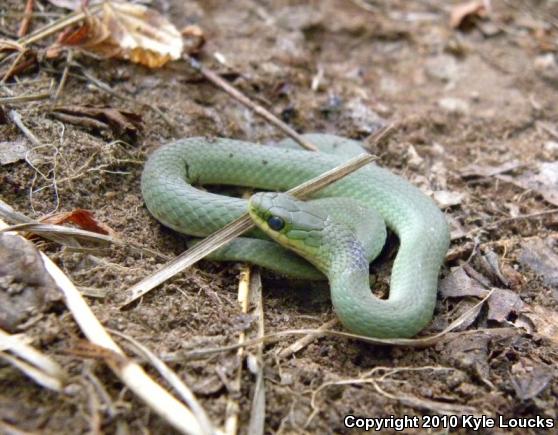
(16, 118)
(26, 22)
(232, 409)
(305, 341)
(57, 25)
(511, 219)
(420, 342)
(69, 58)
(235, 228)
(243, 99)
(25, 98)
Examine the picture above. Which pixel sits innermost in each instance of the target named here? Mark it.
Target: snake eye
(275, 223)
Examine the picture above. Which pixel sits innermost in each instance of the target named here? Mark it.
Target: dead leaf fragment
(463, 13)
(84, 219)
(127, 31)
(446, 198)
(529, 378)
(475, 170)
(12, 151)
(541, 320)
(544, 181)
(539, 257)
(26, 289)
(458, 285)
(101, 118)
(502, 303)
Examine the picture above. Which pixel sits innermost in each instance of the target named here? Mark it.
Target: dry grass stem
(38, 366)
(16, 118)
(157, 398)
(301, 343)
(173, 379)
(403, 342)
(376, 380)
(256, 424)
(236, 228)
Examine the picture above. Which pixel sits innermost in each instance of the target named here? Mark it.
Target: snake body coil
(421, 227)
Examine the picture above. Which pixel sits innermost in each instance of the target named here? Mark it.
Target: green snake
(337, 233)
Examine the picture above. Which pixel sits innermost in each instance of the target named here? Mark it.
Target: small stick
(16, 118)
(13, 66)
(69, 58)
(25, 98)
(243, 99)
(306, 340)
(236, 228)
(26, 21)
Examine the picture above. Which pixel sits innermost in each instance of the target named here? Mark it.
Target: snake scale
(338, 234)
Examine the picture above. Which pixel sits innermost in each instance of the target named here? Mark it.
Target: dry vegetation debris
(470, 89)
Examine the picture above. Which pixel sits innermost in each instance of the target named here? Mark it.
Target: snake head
(292, 223)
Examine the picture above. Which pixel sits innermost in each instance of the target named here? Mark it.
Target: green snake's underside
(422, 230)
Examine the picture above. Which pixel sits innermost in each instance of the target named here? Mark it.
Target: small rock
(413, 159)
(454, 105)
(547, 67)
(445, 198)
(443, 67)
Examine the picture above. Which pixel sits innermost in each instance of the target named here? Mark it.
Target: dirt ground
(474, 111)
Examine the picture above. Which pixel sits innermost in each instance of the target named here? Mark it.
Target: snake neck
(364, 313)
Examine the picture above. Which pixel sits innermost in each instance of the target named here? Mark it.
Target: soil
(460, 100)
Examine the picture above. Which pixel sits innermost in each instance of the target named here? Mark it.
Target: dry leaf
(84, 219)
(101, 118)
(127, 31)
(463, 12)
(458, 284)
(544, 181)
(502, 303)
(539, 257)
(13, 151)
(529, 378)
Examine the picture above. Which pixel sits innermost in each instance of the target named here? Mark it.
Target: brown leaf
(464, 12)
(544, 181)
(529, 378)
(458, 285)
(539, 257)
(119, 121)
(502, 303)
(127, 31)
(84, 219)
(540, 319)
